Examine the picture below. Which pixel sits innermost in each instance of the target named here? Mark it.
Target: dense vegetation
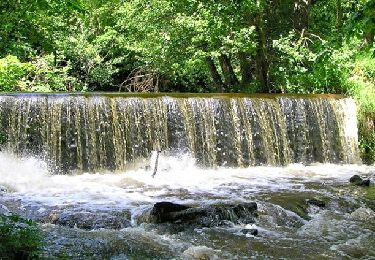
(299, 46)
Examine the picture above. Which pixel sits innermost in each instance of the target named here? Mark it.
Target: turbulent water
(292, 155)
(100, 132)
(88, 211)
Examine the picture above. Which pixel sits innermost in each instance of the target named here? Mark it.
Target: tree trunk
(218, 83)
(262, 72)
(228, 72)
(301, 14)
(245, 68)
(338, 14)
(261, 56)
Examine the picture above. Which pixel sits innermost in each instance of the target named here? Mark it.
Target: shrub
(37, 75)
(12, 72)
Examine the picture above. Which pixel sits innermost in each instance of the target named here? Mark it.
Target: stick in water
(156, 162)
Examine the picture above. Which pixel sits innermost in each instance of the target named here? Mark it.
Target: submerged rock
(205, 216)
(271, 215)
(89, 220)
(357, 180)
(299, 203)
(61, 242)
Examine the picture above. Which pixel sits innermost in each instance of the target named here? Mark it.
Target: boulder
(203, 216)
(161, 212)
(366, 215)
(357, 180)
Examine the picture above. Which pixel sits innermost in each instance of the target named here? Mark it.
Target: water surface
(288, 227)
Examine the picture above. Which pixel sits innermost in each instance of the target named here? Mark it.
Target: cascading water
(98, 132)
(291, 155)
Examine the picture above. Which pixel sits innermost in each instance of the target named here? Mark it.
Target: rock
(316, 202)
(161, 211)
(204, 216)
(88, 220)
(271, 215)
(4, 210)
(199, 252)
(363, 214)
(250, 231)
(357, 180)
(292, 202)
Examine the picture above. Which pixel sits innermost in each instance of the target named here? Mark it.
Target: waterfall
(91, 132)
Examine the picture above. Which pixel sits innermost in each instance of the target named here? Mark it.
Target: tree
(31, 27)
(167, 33)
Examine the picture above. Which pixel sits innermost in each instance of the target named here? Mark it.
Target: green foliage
(367, 147)
(94, 45)
(310, 64)
(19, 238)
(363, 20)
(175, 37)
(361, 85)
(30, 27)
(85, 64)
(46, 77)
(38, 75)
(12, 71)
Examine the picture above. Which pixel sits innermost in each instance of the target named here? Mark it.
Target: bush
(19, 238)
(47, 77)
(38, 75)
(12, 72)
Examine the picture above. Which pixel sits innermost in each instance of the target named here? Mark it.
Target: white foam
(178, 178)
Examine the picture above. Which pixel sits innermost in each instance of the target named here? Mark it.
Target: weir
(92, 132)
